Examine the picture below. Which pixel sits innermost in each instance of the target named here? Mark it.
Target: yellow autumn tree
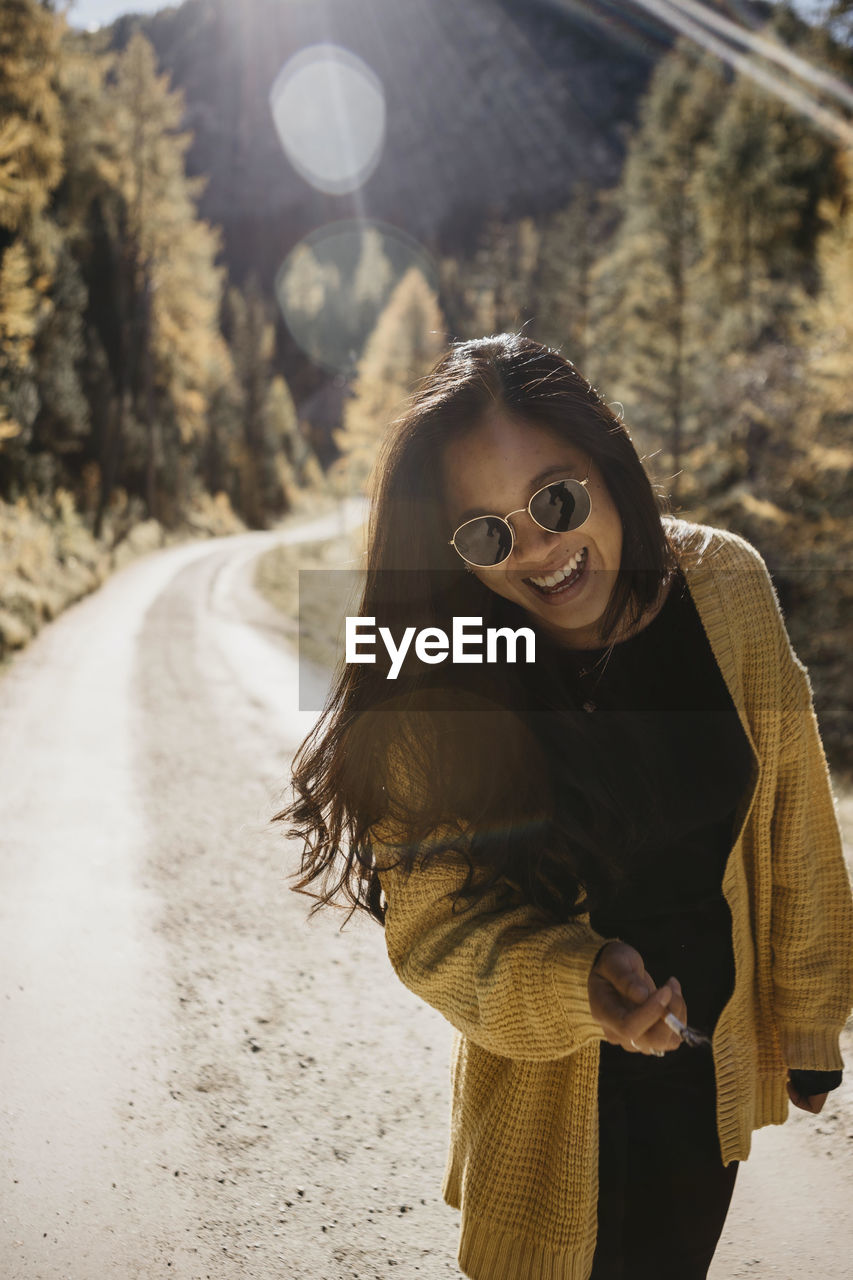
(164, 285)
(30, 170)
(407, 340)
(829, 317)
(823, 468)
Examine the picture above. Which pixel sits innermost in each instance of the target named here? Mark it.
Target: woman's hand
(623, 998)
(813, 1104)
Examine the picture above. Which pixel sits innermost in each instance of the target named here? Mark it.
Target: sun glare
(696, 22)
(329, 110)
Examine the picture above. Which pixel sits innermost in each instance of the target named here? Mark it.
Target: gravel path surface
(195, 1081)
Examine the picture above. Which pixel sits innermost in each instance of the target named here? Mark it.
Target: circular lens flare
(334, 284)
(329, 111)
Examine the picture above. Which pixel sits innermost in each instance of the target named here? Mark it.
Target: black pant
(663, 1190)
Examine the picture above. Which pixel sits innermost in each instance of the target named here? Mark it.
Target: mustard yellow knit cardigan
(522, 1164)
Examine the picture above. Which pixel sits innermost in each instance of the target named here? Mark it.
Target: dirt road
(195, 1082)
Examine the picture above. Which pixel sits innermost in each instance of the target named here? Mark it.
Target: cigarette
(688, 1034)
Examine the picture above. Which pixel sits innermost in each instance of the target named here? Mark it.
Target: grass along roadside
(317, 611)
(49, 557)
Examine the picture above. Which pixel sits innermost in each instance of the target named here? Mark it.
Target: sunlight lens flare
(334, 284)
(329, 111)
(695, 21)
(766, 61)
(768, 49)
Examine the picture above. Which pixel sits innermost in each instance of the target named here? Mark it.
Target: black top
(670, 904)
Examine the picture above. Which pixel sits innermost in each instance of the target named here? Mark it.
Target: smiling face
(495, 468)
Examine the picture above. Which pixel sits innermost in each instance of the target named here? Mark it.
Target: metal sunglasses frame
(505, 520)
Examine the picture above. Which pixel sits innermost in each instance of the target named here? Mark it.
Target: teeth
(559, 574)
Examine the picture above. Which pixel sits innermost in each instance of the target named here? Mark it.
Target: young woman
(576, 857)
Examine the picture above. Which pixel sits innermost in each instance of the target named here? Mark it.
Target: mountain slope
(491, 108)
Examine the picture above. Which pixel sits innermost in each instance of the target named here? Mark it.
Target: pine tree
(307, 292)
(764, 171)
(222, 452)
(150, 264)
(252, 342)
(562, 290)
(828, 318)
(495, 288)
(332, 298)
(62, 425)
(372, 284)
(408, 338)
(19, 319)
(30, 169)
(30, 139)
(294, 465)
(647, 318)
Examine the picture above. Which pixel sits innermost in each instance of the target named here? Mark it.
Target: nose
(533, 544)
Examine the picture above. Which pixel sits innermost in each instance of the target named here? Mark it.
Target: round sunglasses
(559, 507)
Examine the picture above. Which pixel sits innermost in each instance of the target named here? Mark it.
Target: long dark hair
(496, 762)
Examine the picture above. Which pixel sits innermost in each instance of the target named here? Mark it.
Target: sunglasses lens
(485, 541)
(561, 506)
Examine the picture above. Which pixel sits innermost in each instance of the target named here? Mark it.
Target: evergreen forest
(161, 377)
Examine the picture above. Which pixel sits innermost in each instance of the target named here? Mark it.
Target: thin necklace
(589, 704)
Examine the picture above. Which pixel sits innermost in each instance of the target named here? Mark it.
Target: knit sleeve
(812, 905)
(509, 979)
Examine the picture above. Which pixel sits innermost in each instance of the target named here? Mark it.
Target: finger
(610, 1009)
(620, 984)
(678, 1008)
(659, 1039)
(613, 1037)
(609, 1002)
(637, 1023)
(624, 969)
(677, 1004)
(663, 1035)
(642, 986)
(637, 990)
